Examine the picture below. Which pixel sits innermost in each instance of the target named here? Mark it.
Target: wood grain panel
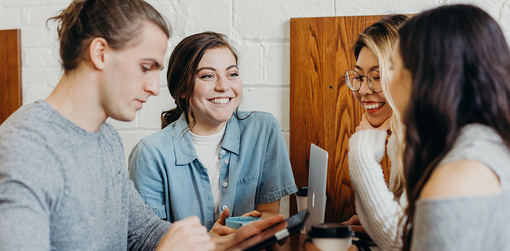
(10, 73)
(323, 109)
(307, 108)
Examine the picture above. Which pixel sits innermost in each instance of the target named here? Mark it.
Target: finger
(224, 230)
(364, 117)
(198, 232)
(263, 224)
(223, 216)
(357, 228)
(253, 213)
(205, 246)
(365, 124)
(189, 221)
(351, 221)
(355, 220)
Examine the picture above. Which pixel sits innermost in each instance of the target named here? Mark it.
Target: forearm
(269, 209)
(377, 209)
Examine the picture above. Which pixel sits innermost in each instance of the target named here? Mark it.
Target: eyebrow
(371, 68)
(206, 68)
(214, 69)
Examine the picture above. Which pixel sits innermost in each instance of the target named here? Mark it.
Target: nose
(365, 89)
(152, 86)
(221, 85)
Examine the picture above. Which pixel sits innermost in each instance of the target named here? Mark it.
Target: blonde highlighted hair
(380, 38)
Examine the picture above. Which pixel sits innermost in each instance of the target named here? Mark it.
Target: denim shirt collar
(185, 153)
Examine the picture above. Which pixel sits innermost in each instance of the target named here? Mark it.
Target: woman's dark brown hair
(182, 69)
(460, 64)
(119, 22)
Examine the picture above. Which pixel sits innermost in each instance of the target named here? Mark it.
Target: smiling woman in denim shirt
(210, 159)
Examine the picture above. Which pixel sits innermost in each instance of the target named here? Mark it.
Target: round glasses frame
(370, 80)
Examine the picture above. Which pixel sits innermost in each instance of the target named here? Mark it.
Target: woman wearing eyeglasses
(379, 208)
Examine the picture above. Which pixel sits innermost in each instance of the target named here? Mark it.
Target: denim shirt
(255, 169)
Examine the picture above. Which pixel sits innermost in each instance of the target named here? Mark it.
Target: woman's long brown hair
(460, 63)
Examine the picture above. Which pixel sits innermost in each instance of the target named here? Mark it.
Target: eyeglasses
(354, 80)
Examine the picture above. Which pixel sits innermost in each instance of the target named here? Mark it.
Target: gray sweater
(63, 188)
(468, 223)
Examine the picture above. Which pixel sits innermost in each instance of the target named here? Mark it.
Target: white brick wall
(259, 29)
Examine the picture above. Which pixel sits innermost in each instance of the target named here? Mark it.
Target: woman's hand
(364, 124)
(355, 224)
(219, 227)
(277, 222)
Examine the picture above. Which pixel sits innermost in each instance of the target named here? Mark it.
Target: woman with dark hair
(379, 206)
(211, 159)
(451, 72)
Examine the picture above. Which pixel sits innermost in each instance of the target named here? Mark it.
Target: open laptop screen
(317, 178)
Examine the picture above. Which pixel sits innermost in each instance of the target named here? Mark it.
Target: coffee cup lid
(302, 191)
(330, 230)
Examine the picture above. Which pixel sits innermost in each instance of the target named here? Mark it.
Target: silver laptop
(317, 178)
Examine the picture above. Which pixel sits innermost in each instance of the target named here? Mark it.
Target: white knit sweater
(377, 208)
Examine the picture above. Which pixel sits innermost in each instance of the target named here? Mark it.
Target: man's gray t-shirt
(63, 188)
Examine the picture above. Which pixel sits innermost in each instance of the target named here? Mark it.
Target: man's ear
(97, 49)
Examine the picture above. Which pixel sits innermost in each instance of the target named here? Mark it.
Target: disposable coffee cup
(331, 236)
(301, 198)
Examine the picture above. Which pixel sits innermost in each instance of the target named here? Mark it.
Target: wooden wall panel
(322, 108)
(10, 73)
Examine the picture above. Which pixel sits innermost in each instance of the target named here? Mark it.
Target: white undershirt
(208, 148)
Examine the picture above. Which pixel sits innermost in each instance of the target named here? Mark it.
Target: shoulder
(461, 178)
(26, 149)
(257, 123)
(162, 138)
(26, 118)
(256, 118)
(25, 131)
(160, 143)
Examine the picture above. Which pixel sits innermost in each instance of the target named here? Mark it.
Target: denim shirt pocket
(246, 192)
(248, 180)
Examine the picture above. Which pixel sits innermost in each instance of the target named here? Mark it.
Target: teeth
(220, 100)
(373, 105)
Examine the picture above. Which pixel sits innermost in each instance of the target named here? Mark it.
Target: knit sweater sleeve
(376, 206)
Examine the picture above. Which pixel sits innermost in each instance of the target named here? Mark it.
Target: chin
(124, 117)
(376, 121)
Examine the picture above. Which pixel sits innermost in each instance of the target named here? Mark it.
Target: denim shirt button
(226, 161)
(223, 152)
(224, 207)
(225, 184)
